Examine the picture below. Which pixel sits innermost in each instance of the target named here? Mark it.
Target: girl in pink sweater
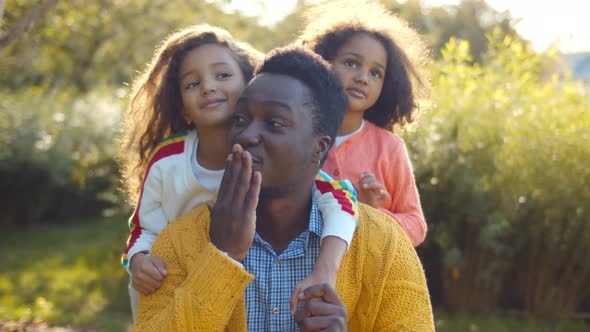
(377, 57)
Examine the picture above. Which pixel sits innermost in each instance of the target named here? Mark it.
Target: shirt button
(336, 173)
(276, 311)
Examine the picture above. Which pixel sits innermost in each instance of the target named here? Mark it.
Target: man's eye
(276, 124)
(191, 85)
(239, 119)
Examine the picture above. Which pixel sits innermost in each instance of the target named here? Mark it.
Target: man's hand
(370, 191)
(322, 310)
(147, 273)
(233, 217)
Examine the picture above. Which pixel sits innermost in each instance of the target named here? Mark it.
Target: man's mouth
(257, 162)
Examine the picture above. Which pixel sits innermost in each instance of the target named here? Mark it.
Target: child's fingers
(160, 265)
(369, 181)
(324, 291)
(294, 301)
(372, 186)
(145, 283)
(152, 271)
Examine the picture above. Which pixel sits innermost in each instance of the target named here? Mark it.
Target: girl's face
(210, 83)
(361, 63)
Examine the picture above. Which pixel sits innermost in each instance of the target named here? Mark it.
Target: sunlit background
(501, 154)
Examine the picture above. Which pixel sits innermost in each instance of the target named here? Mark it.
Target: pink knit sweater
(384, 154)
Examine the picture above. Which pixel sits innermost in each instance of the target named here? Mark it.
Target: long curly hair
(331, 24)
(155, 107)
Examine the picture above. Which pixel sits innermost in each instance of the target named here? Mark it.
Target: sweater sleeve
(337, 201)
(201, 291)
(405, 205)
(405, 304)
(148, 219)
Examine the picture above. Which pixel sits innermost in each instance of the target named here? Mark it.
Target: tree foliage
(469, 20)
(501, 163)
(85, 44)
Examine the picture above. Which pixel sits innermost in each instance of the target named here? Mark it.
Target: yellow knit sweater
(380, 280)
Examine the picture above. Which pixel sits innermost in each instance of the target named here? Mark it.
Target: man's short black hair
(330, 102)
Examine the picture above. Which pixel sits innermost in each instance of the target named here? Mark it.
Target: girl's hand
(322, 310)
(147, 273)
(233, 217)
(316, 277)
(325, 268)
(370, 191)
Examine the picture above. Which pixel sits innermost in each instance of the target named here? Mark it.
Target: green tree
(85, 44)
(470, 20)
(501, 162)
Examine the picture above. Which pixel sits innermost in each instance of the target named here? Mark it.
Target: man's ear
(322, 147)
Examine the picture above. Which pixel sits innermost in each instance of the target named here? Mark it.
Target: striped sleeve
(148, 219)
(337, 201)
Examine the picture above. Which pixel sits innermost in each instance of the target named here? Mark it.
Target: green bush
(56, 153)
(501, 161)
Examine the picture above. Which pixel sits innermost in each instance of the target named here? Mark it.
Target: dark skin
(322, 310)
(273, 153)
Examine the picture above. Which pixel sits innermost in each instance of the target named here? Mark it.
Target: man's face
(273, 121)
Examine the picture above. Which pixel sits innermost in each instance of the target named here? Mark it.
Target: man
(233, 267)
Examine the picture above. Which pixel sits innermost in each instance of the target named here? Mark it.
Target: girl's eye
(350, 63)
(191, 85)
(376, 73)
(224, 75)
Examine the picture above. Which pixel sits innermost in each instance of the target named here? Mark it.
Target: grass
(66, 275)
(70, 275)
(446, 322)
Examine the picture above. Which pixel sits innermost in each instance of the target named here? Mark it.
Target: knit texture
(381, 280)
(384, 154)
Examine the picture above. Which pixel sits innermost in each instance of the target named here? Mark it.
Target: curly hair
(155, 108)
(329, 100)
(329, 25)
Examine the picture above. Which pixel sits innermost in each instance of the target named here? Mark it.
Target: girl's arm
(148, 219)
(339, 207)
(405, 205)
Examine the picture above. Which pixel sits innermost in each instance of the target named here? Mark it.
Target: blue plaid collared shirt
(268, 295)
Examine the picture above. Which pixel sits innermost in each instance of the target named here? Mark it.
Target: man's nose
(250, 136)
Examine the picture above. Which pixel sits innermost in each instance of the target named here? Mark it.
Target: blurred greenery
(66, 274)
(57, 151)
(447, 322)
(501, 159)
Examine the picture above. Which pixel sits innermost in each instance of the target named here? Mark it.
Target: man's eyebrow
(277, 103)
(268, 103)
(360, 56)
